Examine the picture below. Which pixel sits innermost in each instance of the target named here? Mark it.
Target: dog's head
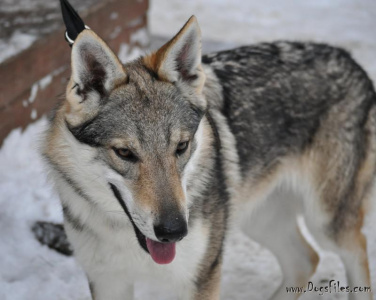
(141, 124)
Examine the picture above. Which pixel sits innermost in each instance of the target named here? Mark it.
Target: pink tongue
(161, 253)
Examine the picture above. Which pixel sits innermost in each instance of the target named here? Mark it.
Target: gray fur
(277, 94)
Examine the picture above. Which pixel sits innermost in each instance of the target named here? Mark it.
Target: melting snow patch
(141, 37)
(127, 53)
(45, 81)
(18, 42)
(114, 15)
(114, 34)
(33, 93)
(136, 22)
(34, 114)
(42, 83)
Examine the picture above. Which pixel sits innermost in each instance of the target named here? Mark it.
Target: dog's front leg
(208, 284)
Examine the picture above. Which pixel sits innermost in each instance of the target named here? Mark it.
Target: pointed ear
(180, 58)
(96, 71)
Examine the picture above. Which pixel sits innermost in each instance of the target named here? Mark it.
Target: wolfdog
(152, 159)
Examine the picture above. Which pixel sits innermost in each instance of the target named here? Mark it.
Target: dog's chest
(119, 252)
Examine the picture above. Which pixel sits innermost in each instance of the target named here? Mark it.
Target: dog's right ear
(96, 71)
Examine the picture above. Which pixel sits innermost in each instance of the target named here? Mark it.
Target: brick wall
(32, 82)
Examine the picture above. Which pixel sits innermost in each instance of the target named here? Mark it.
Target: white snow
(140, 37)
(45, 81)
(33, 92)
(127, 53)
(17, 42)
(114, 34)
(114, 15)
(131, 51)
(31, 271)
(136, 22)
(42, 84)
(27, 270)
(34, 114)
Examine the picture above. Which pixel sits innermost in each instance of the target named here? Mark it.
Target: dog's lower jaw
(161, 253)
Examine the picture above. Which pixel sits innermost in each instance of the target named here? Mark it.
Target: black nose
(171, 229)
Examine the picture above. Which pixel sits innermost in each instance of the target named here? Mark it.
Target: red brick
(50, 53)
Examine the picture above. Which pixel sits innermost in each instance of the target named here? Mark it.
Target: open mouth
(161, 253)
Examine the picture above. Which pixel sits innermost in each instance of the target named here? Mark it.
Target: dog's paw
(52, 235)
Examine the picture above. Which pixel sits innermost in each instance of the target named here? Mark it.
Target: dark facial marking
(72, 220)
(140, 237)
(74, 185)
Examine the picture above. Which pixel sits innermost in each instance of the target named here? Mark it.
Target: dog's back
(276, 97)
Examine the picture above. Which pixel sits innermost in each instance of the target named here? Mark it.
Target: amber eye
(125, 154)
(182, 147)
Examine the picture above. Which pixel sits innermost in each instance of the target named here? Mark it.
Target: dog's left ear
(179, 60)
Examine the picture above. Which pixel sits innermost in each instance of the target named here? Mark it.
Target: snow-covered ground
(31, 271)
